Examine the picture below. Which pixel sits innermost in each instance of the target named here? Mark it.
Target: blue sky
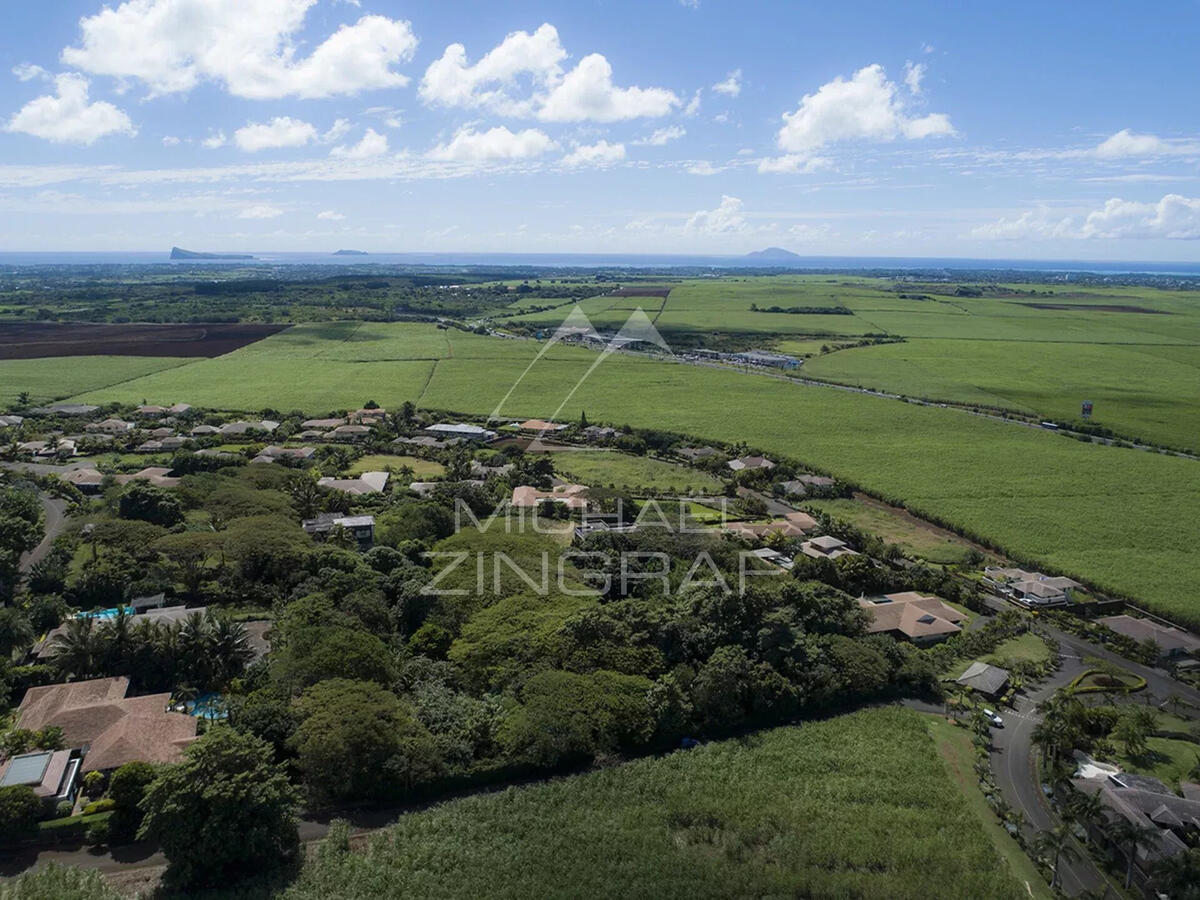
(1028, 130)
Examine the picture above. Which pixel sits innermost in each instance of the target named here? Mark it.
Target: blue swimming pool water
(103, 613)
(207, 706)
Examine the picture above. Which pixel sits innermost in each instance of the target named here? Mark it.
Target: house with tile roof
(113, 729)
(921, 619)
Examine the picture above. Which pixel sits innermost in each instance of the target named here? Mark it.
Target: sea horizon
(31, 259)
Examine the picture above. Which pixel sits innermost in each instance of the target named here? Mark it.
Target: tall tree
(1055, 844)
(1130, 837)
(225, 812)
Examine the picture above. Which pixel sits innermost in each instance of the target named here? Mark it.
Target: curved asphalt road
(55, 511)
(1012, 745)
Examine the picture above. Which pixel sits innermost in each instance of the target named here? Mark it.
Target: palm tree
(116, 641)
(75, 649)
(229, 649)
(307, 496)
(1085, 808)
(192, 637)
(1055, 843)
(1130, 836)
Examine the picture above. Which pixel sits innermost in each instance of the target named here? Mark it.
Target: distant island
(351, 253)
(180, 253)
(774, 253)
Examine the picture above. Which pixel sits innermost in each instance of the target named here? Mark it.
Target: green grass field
(608, 467)
(856, 806)
(58, 378)
(895, 528)
(1134, 352)
(1124, 520)
(1146, 391)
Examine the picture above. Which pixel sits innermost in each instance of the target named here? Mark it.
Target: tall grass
(856, 806)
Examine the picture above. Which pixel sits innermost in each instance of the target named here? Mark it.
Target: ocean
(604, 260)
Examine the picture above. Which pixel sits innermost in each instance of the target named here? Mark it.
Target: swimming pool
(104, 613)
(207, 706)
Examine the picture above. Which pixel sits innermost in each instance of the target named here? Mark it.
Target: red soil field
(36, 340)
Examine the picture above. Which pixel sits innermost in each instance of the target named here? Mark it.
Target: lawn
(1026, 647)
(1170, 760)
(856, 806)
(601, 468)
(380, 462)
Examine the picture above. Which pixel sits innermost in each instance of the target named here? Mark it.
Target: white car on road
(991, 716)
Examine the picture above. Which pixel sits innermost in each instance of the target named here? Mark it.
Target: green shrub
(19, 811)
(104, 804)
(97, 834)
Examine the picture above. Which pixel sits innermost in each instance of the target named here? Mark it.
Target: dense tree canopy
(224, 812)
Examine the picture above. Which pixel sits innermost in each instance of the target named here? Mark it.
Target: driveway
(55, 515)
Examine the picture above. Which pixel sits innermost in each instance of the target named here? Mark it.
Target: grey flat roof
(27, 769)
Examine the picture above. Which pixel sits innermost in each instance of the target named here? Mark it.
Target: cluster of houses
(1030, 589)
(102, 727)
(353, 427)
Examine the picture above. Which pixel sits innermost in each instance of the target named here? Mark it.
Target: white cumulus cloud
(251, 47)
(282, 131)
(587, 93)
(727, 218)
(523, 76)
(601, 153)
(497, 143)
(28, 72)
(330, 215)
(493, 82)
(68, 116)
(1126, 143)
(1173, 217)
(372, 144)
(866, 107)
(731, 86)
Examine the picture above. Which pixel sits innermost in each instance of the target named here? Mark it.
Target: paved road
(55, 511)
(1012, 753)
(1159, 684)
(1012, 764)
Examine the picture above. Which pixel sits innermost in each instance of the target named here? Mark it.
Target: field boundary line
(428, 379)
